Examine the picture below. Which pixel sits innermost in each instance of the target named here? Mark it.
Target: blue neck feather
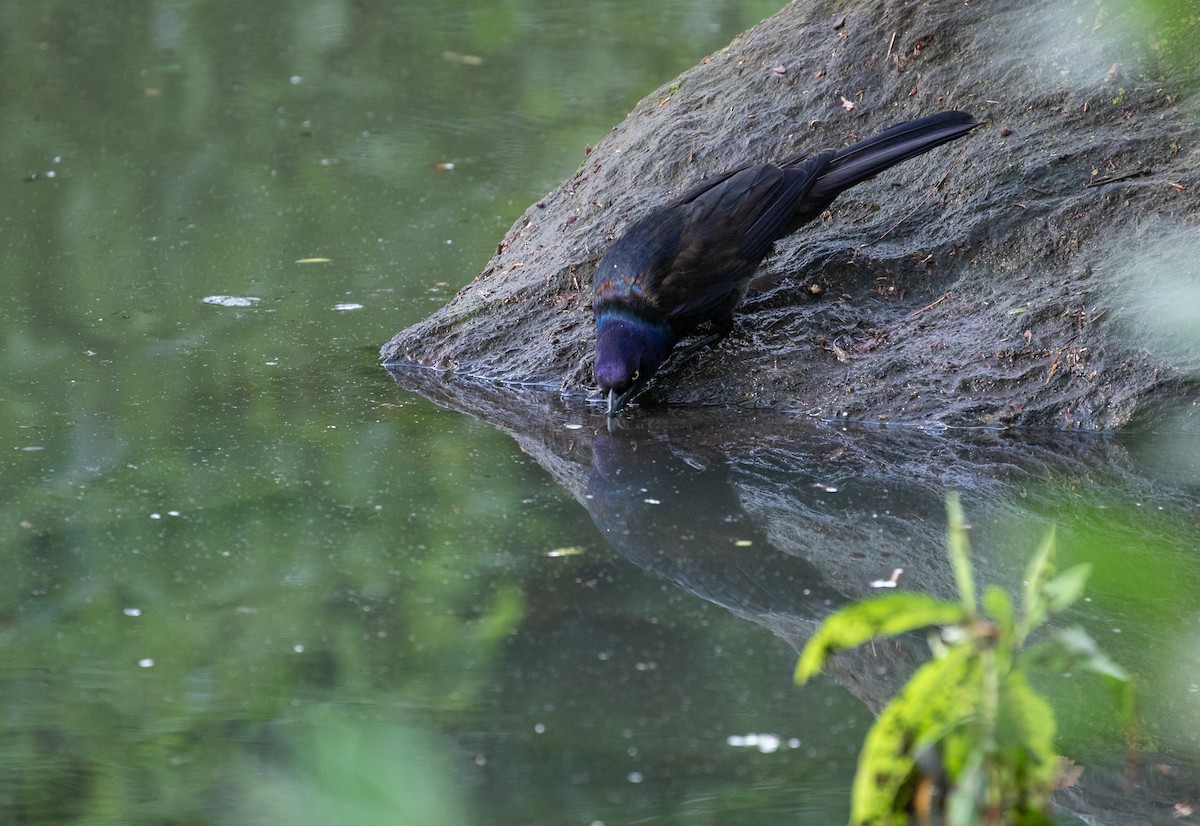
(629, 348)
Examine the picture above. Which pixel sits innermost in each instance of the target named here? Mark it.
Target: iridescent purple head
(629, 351)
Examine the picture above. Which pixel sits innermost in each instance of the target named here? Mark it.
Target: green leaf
(1026, 761)
(964, 800)
(861, 622)
(999, 607)
(1085, 653)
(1073, 648)
(934, 704)
(959, 546)
(1040, 569)
(1025, 729)
(1062, 591)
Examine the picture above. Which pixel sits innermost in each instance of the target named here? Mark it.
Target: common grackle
(690, 260)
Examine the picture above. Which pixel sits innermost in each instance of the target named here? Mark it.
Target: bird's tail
(867, 158)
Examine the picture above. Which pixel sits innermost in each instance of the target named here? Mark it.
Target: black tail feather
(867, 158)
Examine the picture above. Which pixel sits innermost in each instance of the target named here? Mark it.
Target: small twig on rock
(932, 304)
(1112, 179)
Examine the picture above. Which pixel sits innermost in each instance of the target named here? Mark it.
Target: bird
(689, 261)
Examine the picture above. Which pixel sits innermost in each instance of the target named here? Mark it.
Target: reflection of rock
(826, 511)
(676, 510)
(979, 291)
(676, 514)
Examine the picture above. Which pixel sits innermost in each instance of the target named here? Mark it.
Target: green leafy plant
(967, 735)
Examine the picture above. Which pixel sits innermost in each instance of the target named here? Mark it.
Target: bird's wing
(728, 227)
(771, 215)
(707, 185)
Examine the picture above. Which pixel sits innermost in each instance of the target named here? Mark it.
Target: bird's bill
(617, 401)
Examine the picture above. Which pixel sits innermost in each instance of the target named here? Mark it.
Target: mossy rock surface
(1016, 276)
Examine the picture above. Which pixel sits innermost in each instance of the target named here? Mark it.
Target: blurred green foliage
(1167, 30)
(967, 741)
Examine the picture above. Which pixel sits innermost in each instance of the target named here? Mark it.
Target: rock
(1018, 276)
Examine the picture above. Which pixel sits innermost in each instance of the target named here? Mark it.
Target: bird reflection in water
(676, 513)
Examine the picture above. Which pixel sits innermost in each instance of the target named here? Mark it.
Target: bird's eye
(635, 375)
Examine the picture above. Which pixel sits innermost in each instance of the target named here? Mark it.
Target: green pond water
(250, 580)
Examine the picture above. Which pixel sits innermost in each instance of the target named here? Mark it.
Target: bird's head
(629, 351)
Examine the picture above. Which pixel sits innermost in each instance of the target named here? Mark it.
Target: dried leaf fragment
(462, 59)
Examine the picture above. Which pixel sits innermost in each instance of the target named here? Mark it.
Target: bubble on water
(231, 300)
(765, 743)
